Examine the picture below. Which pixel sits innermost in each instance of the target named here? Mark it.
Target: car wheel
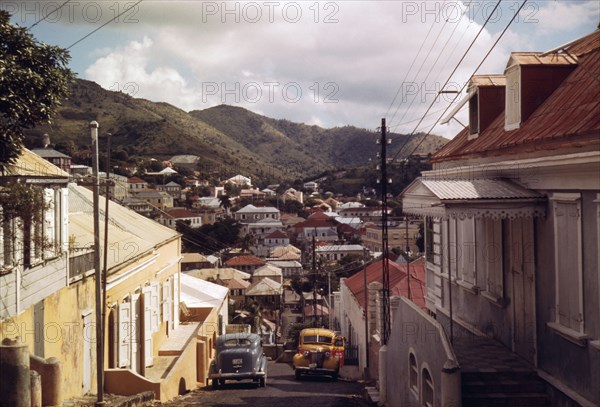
(215, 384)
(334, 376)
(262, 382)
(298, 375)
(221, 381)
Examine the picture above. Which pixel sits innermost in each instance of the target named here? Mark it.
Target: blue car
(239, 356)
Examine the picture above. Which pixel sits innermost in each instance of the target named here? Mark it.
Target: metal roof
(568, 118)
(477, 189)
(49, 153)
(30, 164)
(198, 293)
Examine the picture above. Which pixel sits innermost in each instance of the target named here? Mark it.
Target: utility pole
(366, 310)
(98, 272)
(314, 273)
(407, 259)
(384, 235)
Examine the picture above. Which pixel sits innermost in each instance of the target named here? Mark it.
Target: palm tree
(225, 203)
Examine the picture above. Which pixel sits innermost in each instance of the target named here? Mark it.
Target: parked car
(317, 353)
(239, 356)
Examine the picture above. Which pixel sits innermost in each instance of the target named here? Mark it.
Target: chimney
(46, 140)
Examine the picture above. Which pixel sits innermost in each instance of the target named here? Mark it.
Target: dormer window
(530, 79)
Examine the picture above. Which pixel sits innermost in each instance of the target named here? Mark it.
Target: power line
(450, 76)
(103, 25)
(434, 63)
(478, 66)
(47, 15)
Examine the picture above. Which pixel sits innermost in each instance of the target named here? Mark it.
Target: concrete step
(502, 400)
(503, 386)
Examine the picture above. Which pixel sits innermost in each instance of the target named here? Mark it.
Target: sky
(326, 63)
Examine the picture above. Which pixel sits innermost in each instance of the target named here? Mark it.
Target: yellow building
(48, 298)
(397, 236)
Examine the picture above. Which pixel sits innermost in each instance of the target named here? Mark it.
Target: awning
(468, 198)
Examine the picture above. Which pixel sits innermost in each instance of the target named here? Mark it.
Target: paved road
(282, 390)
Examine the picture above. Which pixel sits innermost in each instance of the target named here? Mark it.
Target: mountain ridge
(236, 139)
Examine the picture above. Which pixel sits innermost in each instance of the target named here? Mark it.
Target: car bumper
(316, 370)
(237, 376)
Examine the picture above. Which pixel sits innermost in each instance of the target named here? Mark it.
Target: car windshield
(317, 339)
(237, 343)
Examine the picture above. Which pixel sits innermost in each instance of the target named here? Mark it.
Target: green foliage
(33, 79)
(210, 238)
(294, 331)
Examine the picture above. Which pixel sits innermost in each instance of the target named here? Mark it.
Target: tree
(33, 79)
(225, 203)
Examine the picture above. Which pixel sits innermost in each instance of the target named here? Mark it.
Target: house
(364, 213)
(34, 272)
(268, 270)
(276, 238)
(218, 275)
(172, 188)
(292, 194)
(136, 184)
(252, 214)
(288, 252)
(319, 225)
(194, 261)
(289, 268)
(252, 194)
(157, 199)
(512, 238)
(142, 296)
(170, 218)
(399, 235)
(240, 180)
(311, 185)
(266, 292)
(237, 289)
(57, 158)
(187, 161)
(337, 252)
(247, 263)
(139, 205)
(359, 295)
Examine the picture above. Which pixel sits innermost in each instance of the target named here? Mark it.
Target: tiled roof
(398, 283)
(245, 260)
(278, 234)
(568, 118)
(136, 180)
(181, 213)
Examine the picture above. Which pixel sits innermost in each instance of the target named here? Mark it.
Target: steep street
(281, 390)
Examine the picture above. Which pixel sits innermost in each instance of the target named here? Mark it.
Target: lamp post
(98, 273)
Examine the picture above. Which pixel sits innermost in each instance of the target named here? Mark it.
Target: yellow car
(317, 354)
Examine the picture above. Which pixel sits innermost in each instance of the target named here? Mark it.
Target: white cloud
(195, 56)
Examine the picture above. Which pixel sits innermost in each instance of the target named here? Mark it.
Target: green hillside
(231, 138)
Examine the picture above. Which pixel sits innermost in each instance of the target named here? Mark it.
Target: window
(466, 250)
(512, 115)
(568, 261)
(429, 239)
(426, 389)
(413, 373)
(489, 256)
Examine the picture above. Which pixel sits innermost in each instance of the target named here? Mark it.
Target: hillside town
(477, 285)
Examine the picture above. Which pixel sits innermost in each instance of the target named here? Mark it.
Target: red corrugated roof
(182, 213)
(568, 118)
(278, 234)
(245, 260)
(398, 281)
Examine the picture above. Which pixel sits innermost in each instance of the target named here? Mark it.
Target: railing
(80, 264)
(351, 355)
